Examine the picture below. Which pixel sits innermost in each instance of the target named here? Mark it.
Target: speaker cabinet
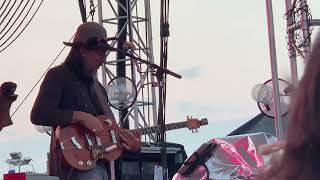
(143, 165)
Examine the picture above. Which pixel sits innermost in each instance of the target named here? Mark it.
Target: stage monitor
(144, 165)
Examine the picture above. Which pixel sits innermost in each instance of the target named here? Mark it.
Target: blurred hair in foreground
(301, 153)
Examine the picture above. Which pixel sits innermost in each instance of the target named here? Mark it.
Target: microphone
(150, 64)
(127, 47)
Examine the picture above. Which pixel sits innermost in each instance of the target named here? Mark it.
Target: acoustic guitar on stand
(81, 148)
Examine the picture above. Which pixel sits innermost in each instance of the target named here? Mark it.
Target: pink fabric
(234, 154)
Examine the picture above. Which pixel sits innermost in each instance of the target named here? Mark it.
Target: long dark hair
(301, 157)
(75, 62)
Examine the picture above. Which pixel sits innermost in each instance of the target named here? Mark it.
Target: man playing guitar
(70, 94)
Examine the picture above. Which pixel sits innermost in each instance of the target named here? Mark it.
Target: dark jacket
(61, 93)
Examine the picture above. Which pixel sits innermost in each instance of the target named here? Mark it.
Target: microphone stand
(120, 159)
(159, 70)
(159, 73)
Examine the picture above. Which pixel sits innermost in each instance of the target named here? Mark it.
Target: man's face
(93, 59)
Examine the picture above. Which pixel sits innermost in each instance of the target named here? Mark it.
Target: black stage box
(141, 166)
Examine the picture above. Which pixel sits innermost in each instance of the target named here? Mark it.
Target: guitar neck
(156, 129)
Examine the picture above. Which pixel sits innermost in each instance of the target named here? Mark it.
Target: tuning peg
(196, 130)
(192, 131)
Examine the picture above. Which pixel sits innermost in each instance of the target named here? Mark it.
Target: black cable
(39, 80)
(41, 75)
(4, 2)
(15, 20)
(8, 12)
(20, 25)
(14, 13)
(5, 9)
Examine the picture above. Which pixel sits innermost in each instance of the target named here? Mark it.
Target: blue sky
(219, 47)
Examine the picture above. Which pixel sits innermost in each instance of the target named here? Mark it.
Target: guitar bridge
(97, 151)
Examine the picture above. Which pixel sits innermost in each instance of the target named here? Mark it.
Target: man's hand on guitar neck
(89, 121)
(131, 141)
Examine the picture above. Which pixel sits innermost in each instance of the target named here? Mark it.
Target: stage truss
(299, 29)
(138, 30)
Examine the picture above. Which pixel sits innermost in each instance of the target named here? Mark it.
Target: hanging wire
(5, 9)
(54, 60)
(8, 12)
(3, 3)
(34, 86)
(20, 25)
(14, 13)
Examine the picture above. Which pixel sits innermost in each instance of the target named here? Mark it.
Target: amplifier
(144, 165)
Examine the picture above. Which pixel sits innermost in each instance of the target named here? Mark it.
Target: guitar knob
(80, 163)
(89, 163)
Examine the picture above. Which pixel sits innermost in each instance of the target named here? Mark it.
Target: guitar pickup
(111, 148)
(74, 142)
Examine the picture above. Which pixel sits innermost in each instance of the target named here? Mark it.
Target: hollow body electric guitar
(81, 148)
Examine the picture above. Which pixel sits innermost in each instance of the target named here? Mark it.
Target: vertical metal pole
(150, 43)
(133, 72)
(121, 65)
(292, 51)
(103, 69)
(274, 71)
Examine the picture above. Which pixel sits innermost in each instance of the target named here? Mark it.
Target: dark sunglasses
(95, 43)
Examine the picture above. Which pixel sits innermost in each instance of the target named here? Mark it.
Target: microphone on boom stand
(160, 75)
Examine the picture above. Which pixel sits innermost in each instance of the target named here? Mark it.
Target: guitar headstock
(195, 123)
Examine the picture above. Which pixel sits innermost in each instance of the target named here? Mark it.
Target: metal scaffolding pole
(135, 18)
(274, 71)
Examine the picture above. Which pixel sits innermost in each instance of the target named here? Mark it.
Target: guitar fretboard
(156, 129)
